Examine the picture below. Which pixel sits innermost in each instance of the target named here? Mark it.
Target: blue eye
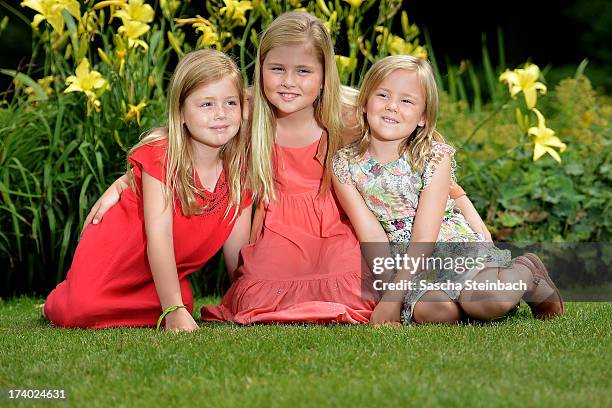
(205, 105)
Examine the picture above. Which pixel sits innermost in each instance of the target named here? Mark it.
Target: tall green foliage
(59, 151)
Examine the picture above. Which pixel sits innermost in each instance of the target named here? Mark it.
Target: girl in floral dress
(394, 185)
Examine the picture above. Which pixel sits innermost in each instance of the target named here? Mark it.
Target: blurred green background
(59, 151)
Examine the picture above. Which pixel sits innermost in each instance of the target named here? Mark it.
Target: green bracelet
(167, 312)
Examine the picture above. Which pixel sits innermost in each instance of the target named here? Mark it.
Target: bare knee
(489, 306)
(436, 307)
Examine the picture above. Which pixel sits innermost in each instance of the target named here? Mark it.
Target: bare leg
(436, 307)
(493, 304)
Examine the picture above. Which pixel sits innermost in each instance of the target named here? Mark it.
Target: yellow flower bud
(4, 23)
(68, 52)
(104, 58)
(354, 3)
(254, 37)
(323, 7)
(175, 43)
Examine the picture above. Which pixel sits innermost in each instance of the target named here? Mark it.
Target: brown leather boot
(550, 307)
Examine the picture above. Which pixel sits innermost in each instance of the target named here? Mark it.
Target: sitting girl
(185, 204)
(394, 186)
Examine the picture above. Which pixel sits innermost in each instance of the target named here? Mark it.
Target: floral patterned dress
(392, 191)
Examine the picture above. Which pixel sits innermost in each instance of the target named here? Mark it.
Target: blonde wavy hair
(196, 69)
(418, 145)
(293, 29)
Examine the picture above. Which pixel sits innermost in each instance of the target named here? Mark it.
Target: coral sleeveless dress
(306, 264)
(110, 283)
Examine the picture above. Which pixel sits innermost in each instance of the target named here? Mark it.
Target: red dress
(306, 265)
(110, 283)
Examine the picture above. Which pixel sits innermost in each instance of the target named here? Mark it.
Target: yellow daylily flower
(45, 84)
(51, 10)
(526, 80)
(136, 10)
(236, 10)
(134, 112)
(209, 35)
(397, 45)
(87, 81)
(545, 139)
(354, 3)
(133, 30)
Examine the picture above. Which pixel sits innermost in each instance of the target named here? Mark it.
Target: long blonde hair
(291, 29)
(418, 144)
(196, 69)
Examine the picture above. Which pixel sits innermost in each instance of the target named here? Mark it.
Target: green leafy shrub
(59, 151)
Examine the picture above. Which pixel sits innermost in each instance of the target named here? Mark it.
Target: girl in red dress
(185, 204)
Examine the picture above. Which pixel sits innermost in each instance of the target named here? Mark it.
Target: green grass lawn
(516, 362)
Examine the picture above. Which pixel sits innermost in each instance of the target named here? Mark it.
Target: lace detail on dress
(438, 152)
(217, 201)
(341, 166)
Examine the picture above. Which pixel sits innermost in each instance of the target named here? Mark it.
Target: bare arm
(367, 227)
(108, 199)
(425, 230)
(472, 217)
(237, 239)
(160, 252)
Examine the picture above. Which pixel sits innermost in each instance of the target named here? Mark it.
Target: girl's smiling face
(292, 78)
(212, 113)
(396, 107)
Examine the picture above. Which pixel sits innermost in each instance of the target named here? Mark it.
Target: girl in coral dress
(394, 184)
(185, 205)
